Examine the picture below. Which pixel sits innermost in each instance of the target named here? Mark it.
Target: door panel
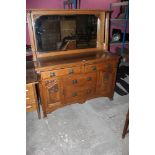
(52, 92)
(105, 83)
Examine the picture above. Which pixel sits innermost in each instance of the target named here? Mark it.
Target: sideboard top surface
(44, 64)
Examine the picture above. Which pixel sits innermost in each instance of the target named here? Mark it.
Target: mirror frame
(102, 30)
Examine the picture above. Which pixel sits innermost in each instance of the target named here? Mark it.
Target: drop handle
(71, 71)
(74, 94)
(52, 74)
(74, 81)
(94, 68)
(89, 78)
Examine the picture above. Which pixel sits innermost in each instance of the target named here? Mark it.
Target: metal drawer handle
(52, 74)
(27, 98)
(71, 71)
(74, 94)
(89, 78)
(74, 81)
(94, 68)
(27, 90)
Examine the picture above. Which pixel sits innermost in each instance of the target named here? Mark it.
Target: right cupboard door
(106, 83)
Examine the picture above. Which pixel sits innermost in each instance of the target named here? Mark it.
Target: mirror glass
(65, 32)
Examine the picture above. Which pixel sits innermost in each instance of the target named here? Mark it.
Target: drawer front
(31, 107)
(99, 67)
(76, 81)
(77, 94)
(31, 99)
(89, 92)
(90, 79)
(73, 96)
(93, 68)
(60, 72)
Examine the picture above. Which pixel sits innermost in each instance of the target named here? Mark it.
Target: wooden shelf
(118, 43)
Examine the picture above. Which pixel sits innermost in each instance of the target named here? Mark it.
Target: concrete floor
(92, 128)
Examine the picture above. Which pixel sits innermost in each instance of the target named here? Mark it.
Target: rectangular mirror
(65, 32)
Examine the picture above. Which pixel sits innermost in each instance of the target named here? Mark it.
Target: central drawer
(79, 81)
(61, 72)
(75, 95)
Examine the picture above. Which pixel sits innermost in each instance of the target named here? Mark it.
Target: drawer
(31, 107)
(90, 79)
(60, 72)
(77, 94)
(31, 98)
(29, 89)
(73, 96)
(82, 80)
(89, 92)
(92, 68)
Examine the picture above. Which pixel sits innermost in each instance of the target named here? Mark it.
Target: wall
(58, 4)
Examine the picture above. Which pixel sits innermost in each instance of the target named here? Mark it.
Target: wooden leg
(111, 98)
(38, 111)
(125, 130)
(44, 113)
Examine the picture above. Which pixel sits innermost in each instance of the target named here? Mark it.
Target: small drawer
(31, 107)
(31, 98)
(29, 89)
(91, 68)
(74, 95)
(60, 72)
(81, 80)
(90, 79)
(73, 81)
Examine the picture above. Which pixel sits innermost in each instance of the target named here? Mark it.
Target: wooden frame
(102, 30)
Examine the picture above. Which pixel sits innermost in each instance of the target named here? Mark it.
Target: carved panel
(52, 91)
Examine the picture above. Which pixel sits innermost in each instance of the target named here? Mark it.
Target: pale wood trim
(77, 51)
(100, 30)
(34, 34)
(68, 12)
(106, 32)
(31, 36)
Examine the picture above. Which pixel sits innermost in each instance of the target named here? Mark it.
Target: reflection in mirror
(65, 32)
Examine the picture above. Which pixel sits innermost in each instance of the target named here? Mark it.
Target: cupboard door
(52, 93)
(106, 83)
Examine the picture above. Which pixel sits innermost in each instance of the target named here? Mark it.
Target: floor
(92, 128)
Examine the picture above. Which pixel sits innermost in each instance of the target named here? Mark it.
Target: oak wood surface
(96, 78)
(73, 76)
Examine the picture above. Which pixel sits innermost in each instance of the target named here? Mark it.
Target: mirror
(65, 32)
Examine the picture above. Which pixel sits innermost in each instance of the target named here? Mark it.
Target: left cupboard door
(52, 94)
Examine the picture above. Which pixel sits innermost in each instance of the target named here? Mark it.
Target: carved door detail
(52, 91)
